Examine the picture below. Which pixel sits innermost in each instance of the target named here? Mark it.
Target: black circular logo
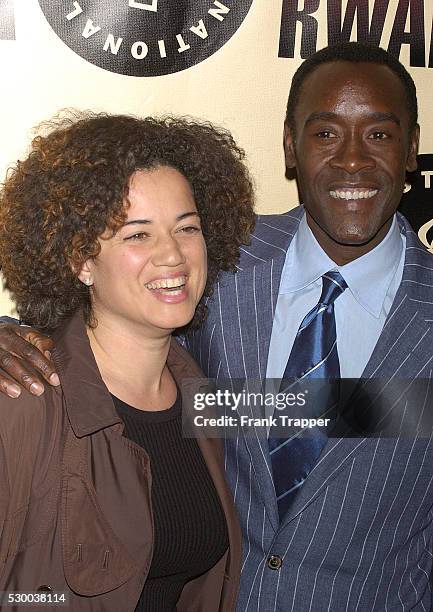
(145, 37)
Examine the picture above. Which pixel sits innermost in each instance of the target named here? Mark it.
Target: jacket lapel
(247, 339)
(335, 459)
(244, 302)
(243, 350)
(404, 348)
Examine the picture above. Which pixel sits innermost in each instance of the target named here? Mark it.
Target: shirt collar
(367, 277)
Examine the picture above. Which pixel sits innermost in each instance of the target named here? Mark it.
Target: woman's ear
(85, 274)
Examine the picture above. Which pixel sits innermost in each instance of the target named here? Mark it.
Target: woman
(113, 232)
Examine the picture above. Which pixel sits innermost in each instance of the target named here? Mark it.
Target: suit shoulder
(418, 254)
(271, 237)
(418, 259)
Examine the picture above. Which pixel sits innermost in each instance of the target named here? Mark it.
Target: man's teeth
(167, 283)
(353, 194)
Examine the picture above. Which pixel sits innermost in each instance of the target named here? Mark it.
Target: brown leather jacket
(75, 496)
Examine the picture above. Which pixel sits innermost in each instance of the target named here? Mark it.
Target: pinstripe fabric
(360, 534)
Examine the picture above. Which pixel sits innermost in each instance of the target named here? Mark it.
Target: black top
(190, 532)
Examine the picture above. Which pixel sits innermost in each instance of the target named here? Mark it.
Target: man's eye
(325, 134)
(378, 136)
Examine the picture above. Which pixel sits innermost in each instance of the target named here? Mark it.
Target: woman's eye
(137, 236)
(189, 229)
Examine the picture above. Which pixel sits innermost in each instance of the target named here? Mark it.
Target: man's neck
(343, 254)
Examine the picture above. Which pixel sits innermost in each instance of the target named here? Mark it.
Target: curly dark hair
(73, 185)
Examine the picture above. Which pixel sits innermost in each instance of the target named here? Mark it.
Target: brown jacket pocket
(94, 559)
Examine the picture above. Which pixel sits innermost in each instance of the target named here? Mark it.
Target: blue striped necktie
(313, 355)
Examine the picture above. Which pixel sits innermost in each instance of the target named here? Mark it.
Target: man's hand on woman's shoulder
(25, 356)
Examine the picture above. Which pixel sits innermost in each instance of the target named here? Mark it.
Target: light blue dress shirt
(360, 312)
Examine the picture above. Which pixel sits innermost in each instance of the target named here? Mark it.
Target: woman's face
(152, 272)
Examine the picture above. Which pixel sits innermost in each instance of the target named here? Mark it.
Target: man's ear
(289, 147)
(411, 163)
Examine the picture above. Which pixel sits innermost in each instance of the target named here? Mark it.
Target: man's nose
(168, 252)
(353, 155)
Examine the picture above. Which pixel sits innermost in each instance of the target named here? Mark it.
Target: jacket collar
(88, 402)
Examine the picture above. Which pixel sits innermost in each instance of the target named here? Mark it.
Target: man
(351, 529)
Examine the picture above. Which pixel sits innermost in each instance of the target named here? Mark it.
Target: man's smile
(353, 194)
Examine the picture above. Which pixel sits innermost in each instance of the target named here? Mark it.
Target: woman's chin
(170, 323)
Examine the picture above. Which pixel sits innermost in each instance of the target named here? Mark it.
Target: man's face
(351, 150)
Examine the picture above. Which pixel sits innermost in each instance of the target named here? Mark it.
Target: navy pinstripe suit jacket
(359, 536)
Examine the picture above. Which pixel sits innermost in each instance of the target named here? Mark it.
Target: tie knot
(333, 285)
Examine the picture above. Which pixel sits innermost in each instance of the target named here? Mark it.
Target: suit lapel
(258, 283)
(405, 344)
(265, 280)
(246, 345)
(401, 349)
(335, 459)
(245, 301)
(246, 340)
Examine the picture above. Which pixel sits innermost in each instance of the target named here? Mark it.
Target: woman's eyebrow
(147, 221)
